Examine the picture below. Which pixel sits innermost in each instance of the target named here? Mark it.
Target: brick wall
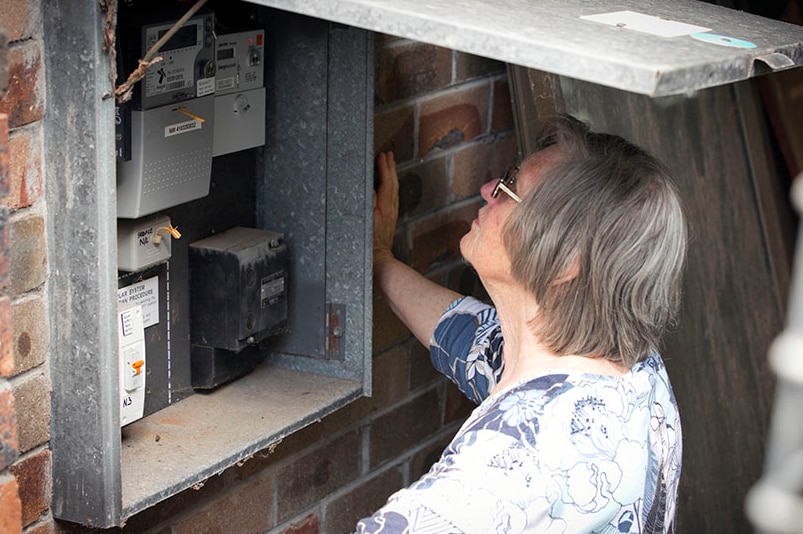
(24, 386)
(447, 116)
(10, 506)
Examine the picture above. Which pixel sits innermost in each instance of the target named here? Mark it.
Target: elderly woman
(581, 248)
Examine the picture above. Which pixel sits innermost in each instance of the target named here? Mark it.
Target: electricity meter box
(238, 298)
(164, 134)
(240, 92)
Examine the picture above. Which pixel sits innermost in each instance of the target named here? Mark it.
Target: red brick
(405, 427)
(458, 407)
(436, 239)
(25, 176)
(9, 441)
(405, 69)
(5, 155)
(28, 266)
(5, 250)
(293, 445)
(32, 397)
(423, 188)
(395, 130)
(10, 507)
(316, 474)
(468, 67)
(24, 99)
(502, 115)
(342, 514)
(30, 326)
(389, 375)
(422, 373)
(5, 253)
(6, 338)
(477, 163)
(3, 61)
(33, 479)
(388, 330)
(247, 508)
(20, 18)
(453, 118)
(5, 167)
(309, 525)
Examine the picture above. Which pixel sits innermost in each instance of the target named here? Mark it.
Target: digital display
(225, 53)
(186, 36)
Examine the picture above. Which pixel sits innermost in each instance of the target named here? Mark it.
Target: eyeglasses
(505, 184)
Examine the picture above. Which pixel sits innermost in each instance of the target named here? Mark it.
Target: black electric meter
(238, 298)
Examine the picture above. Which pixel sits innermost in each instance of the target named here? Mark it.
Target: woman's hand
(386, 207)
(414, 298)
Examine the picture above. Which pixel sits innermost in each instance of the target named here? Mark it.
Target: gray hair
(610, 213)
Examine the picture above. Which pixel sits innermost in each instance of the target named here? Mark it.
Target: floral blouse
(564, 452)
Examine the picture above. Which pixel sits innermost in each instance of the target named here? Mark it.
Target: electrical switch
(131, 350)
(133, 373)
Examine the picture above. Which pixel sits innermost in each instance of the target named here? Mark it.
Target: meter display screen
(225, 53)
(184, 37)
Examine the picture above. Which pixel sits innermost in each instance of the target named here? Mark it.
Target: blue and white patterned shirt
(564, 452)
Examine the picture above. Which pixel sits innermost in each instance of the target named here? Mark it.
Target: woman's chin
(467, 243)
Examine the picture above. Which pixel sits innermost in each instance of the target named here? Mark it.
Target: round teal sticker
(722, 40)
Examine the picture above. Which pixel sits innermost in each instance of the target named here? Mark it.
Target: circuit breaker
(238, 297)
(131, 351)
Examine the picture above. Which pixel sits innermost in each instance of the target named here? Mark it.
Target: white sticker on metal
(640, 22)
(182, 128)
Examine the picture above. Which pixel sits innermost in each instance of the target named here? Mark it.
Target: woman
(581, 249)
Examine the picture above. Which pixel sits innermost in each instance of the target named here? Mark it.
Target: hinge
(336, 331)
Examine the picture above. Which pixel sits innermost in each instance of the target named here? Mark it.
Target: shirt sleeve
(466, 347)
(396, 518)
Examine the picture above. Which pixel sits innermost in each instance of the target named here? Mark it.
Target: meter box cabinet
(254, 306)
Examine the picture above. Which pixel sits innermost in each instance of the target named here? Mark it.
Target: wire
(169, 229)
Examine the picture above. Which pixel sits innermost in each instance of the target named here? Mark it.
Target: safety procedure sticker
(146, 294)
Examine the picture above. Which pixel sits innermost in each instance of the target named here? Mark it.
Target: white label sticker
(640, 22)
(225, 83)
(146, 294)
(127, 323)
(205, 86)
(183, 127)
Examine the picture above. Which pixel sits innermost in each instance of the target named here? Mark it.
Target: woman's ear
(571, 272)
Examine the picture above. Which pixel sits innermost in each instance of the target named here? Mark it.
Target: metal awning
(650, 47)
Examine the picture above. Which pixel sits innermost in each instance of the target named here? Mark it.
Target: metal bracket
(335, 331)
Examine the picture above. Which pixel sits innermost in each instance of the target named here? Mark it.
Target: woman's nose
(486, 190)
